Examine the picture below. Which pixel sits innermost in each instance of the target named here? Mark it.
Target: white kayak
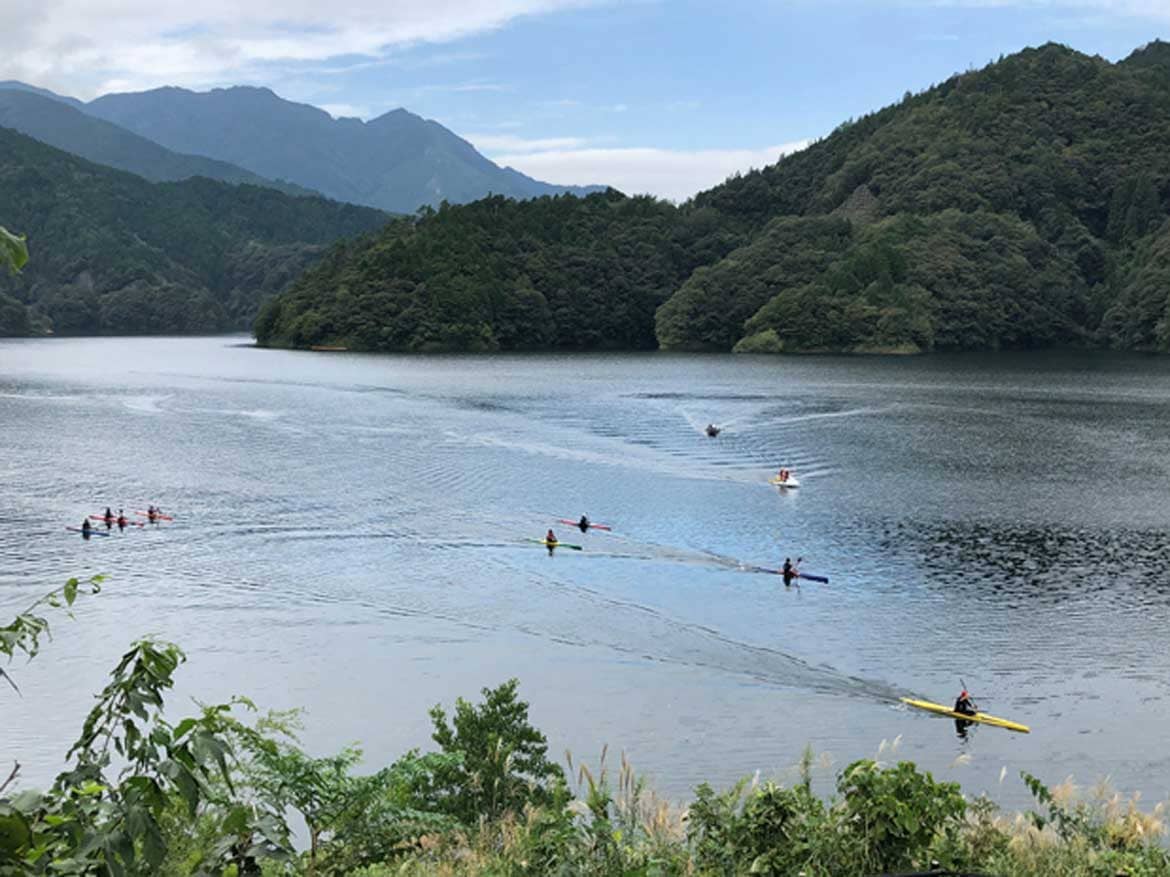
(791, 482)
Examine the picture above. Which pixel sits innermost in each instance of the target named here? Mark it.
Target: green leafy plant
(352, 819)
(897, 813)
(23, 634)
(13, 250)
(503, 760)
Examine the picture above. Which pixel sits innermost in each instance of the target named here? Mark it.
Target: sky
(661, 96)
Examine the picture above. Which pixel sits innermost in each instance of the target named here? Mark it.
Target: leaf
(13, 250)
(70, 591)
(15, 834)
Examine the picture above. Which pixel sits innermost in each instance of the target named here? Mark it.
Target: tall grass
(614, 824)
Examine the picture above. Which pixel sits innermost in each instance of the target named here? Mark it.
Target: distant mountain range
(397, 162)
(60, 123)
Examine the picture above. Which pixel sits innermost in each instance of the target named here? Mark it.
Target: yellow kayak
(983, 718)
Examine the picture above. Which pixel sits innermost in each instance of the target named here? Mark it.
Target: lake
(349, 538)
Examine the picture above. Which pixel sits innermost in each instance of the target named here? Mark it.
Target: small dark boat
(712, 430)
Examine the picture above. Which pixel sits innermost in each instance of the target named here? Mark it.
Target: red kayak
(112, 521)
(159, 515)
(577, 524)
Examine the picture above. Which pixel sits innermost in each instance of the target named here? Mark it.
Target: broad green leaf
(14, 835)
(13, 250)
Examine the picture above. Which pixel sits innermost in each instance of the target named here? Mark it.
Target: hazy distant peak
(16, 85)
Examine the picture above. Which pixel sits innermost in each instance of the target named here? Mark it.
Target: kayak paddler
(85, 528)
(550, 537)
(964, 704)
(583, 524)
(152, 514)
(109, 518)
(712, 430)
(121, 521)
(789, 571)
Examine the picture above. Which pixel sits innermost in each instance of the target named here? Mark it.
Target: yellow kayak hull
(982, 718)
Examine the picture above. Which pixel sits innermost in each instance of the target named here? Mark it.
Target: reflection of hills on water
(1046, 564)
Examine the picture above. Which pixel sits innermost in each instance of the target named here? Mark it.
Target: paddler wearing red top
(964, 704)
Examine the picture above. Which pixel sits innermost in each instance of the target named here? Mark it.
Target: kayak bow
(982, 718)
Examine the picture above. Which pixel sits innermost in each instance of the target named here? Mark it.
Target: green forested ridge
(1021, 205)
(113, 253)
(499, 275)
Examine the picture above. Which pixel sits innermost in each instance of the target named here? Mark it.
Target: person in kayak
(789, 571)
(550, 537)
(121, 521)
(583, 524)
(85, 528)
(964, 704)
(712, 430)
(152, 514)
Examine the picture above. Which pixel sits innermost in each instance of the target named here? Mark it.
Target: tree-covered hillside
(113, 253)
(497, 275)
(1022, 205)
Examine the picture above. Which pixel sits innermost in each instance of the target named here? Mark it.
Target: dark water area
(349, 538)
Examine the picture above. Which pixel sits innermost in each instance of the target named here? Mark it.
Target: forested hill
(1021, 205)
(113, 253)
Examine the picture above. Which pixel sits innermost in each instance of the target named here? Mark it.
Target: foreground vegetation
(1023, 205)
(220, 792)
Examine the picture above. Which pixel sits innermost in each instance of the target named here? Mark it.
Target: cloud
(86, 46)
(347, 111)
(667, 173)
(513, 144)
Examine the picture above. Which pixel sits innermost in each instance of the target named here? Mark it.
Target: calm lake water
(349, 539)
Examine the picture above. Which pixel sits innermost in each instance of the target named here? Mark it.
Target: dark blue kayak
(807, 576)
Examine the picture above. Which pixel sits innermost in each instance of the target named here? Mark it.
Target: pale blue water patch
(349, 538)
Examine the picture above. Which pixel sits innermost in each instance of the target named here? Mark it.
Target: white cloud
(84, 47)
(513, 144)
(667, 173)
(347, 111)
